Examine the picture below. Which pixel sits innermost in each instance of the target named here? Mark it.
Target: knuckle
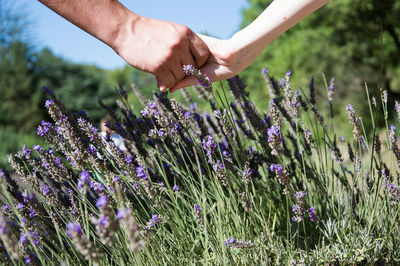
(185, 31)
(157, 67)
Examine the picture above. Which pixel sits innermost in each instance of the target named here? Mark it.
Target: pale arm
(229, 57)
(154, 46)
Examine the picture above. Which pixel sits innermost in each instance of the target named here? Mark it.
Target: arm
(154, 46)
(229, 57)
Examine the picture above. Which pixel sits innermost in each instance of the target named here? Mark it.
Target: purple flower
(349, 108)
(26, 152)
(141, 172)
(49, 103)
(37, 148)
(101, 201)
(48, 90)
(218, 166)
(209, 145)
(82, 113)
(32, 213)
(91, 150)
(152, 222)
(277, 168)
(122, 213)
(176, 188)
(264, 70)
(312, 214)
(83, 180)
(392, 134)
(203, 80)
(155, 217)
(23, 239)
(273, 133)
(45, 190)
(247, 172)
(128, 159)
(6, 207)
(73, 228)
(230, 241)
(283, 82)
(20, 206)
(150, 110)
(300, 194)
(197, 208)
(97, 187)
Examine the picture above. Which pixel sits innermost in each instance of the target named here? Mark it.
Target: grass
(206, 189)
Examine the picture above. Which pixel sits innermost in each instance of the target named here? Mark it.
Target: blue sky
(220, 18)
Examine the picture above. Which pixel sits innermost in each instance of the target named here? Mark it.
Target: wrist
(123, 31)
(245, 49)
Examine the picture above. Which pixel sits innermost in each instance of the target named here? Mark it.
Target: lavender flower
(245, 202)
(101, 201)
(83, 181)
(397, 109)
(141, 172)
(298, 208)
(176, 188)
(391, 189)
(209, 146)
(44, 128)
(274, 140)
(247, 173)
(221, 172)
(198, 215)
(331, 90)
(151, 110)
(131, 228)
(153, 221)
(312, 215)
(385, 96)
(233, 243)
(392, 134)
(83, 245)
(202, 79)
(355, 121)
(8, 239)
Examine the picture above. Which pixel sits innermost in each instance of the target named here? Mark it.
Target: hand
(224, 62)
(161, 48)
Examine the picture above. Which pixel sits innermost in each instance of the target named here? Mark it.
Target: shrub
(233, 186)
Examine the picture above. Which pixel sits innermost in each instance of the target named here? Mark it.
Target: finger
(187, 59)
(177, 71)
(166, 78)
(189, 81)
(199, 50)
(213, 71)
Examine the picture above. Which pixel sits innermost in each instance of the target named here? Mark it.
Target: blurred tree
(355, 41)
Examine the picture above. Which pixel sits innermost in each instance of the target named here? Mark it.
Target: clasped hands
(162, 48)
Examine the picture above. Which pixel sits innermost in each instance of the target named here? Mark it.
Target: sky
(219, 18)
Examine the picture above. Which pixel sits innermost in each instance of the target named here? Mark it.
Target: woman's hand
(225, 61)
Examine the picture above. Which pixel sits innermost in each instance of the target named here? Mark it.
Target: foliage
(354, 41)
(224, 188)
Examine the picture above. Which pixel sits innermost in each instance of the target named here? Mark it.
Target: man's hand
(161, 48)
(155, 46)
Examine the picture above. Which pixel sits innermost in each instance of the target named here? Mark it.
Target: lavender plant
(232, 186)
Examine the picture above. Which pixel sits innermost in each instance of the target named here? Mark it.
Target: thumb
(188, 81)
(210, 70)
